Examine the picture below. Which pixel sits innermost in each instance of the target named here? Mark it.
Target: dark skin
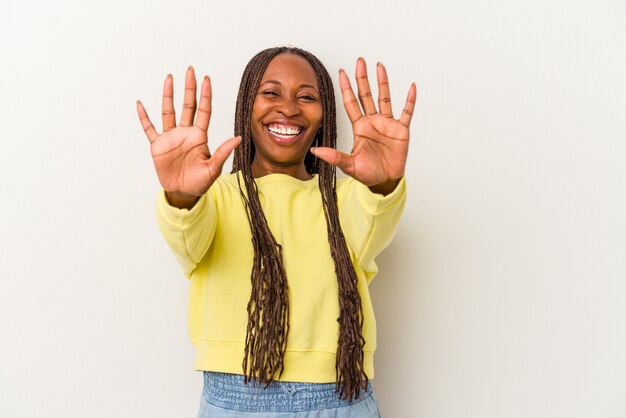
(187, 169)
(381, 143)
(288, 97)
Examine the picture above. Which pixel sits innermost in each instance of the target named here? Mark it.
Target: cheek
(260, 107)
(317, 117)
(256, 114)
(255, 118)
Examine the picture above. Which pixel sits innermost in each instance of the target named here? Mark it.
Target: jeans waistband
(229, 391)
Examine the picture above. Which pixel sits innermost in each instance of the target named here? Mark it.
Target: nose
(288, 106)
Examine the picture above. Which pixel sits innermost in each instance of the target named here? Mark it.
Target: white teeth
(284, 131)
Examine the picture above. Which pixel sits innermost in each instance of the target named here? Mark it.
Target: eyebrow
(276, 82)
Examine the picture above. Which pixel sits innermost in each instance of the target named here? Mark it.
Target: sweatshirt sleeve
(189, 233)
(369, 220)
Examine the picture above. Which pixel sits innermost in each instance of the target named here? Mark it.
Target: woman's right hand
(181, 156)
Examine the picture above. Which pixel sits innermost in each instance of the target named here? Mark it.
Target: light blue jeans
(226, 396)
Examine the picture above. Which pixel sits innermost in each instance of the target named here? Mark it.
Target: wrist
(181, 200)
(386, 187)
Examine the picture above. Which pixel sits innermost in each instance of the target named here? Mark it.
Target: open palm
(381, 143)
(181, 156)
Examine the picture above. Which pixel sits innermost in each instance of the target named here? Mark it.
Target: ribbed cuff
(375, 202)
(176, 217)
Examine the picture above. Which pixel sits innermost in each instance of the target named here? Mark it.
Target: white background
(503, 294)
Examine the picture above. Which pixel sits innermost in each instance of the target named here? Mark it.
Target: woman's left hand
(381, 143)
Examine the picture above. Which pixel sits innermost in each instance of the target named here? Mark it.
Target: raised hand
(381, 143)
(184, 165)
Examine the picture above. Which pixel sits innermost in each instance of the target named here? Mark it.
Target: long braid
(268, 308)
(349, 365)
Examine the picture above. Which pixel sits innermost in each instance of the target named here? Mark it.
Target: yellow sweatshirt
(212, 242)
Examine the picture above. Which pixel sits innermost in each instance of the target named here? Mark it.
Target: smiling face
(286, 115)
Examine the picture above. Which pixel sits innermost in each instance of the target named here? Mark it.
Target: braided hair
(268, 308)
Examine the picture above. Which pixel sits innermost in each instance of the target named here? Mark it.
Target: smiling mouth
(284, 134)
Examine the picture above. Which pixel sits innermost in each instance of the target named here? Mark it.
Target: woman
(282, 299)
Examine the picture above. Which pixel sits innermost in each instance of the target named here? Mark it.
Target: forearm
(369, 219)
(188, 232)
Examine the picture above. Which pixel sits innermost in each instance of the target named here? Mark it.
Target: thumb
(342, 160)
(222, 153)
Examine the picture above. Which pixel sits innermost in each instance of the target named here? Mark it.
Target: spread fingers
(363, 85)
(167, 111)
(409, 106)
(204, 109)
(384, 97)
(189, 100)
(147, 126)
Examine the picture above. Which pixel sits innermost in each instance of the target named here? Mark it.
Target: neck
(260, 169)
